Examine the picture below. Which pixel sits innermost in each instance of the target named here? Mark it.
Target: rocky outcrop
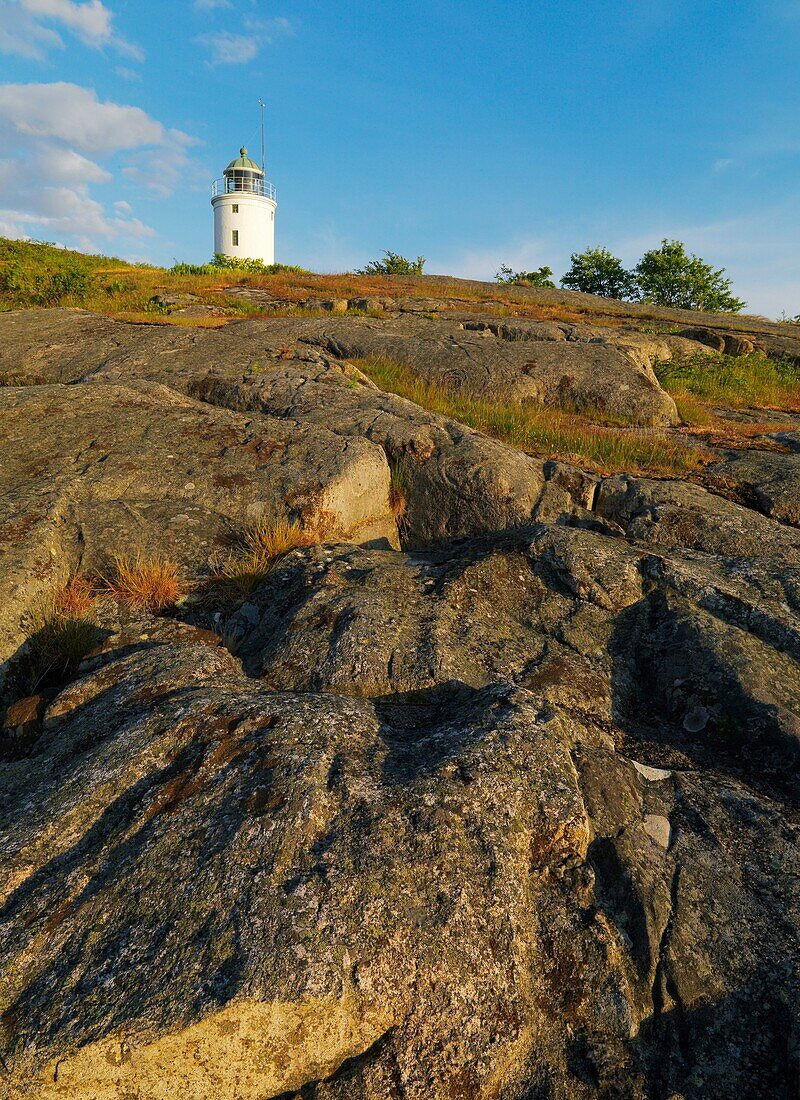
(767, 480)
(587, 371)
(457, 481)
(100, 469)
(493, 794)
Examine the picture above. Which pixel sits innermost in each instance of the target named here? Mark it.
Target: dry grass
(398, 490)
(257, 550)
(61, 633)
(548, 432)
(147, 584)
(75, 599)
(112, 287)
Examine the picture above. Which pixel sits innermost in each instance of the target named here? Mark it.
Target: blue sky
(474, 133)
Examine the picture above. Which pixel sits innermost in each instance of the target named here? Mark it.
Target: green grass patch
(551, 433)
(744, 381)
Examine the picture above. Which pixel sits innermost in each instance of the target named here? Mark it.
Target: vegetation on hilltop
(541, 277)
(665, 276)
(598, 271)
(228, 263)
(393, 264)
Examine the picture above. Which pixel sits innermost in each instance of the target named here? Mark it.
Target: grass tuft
(147, 584)
(61, 633)
(399, 485)
(257, 550)
(551, 433)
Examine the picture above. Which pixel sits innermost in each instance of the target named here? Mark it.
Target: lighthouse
(244, 212)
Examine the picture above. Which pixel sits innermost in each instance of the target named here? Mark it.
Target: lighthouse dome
(243, 163)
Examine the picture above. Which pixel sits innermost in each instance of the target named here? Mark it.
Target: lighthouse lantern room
(244, 212)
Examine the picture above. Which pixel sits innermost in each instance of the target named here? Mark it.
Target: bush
(541, 277)
(393, 264)
(668, 276)
(598, 271)
(44, 278)
(234, 263)
(182, 268)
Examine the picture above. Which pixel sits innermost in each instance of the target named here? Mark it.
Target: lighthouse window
(235, 236)
(235, 208)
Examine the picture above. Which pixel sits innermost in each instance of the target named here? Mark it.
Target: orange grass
(75, 599)
(257, 550)
(61, 632)
(148, 584)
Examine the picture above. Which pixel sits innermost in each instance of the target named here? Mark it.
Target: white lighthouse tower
(244, 212)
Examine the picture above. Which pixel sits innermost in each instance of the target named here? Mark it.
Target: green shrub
(35, 273)
(541, 277)
(393, 264)
(192, 269)
(669, 276)
(598, 271)
(234, 263)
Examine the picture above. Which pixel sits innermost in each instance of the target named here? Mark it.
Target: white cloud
(55, 164)
(90, 20)
(163, 168)
(227, 48)
(21, 34)
(69, 213)
(46, 176)
(208, 5)
(75, 116)
(23, 30)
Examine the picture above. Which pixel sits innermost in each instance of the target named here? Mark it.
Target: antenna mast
(262, 105)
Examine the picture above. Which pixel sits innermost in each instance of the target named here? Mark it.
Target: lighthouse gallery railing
(255, 186)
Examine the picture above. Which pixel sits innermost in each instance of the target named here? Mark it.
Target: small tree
(669, 276)
(598, 271)
(541, 277)
(393, 264)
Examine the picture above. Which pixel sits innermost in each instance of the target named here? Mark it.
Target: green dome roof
(243, 163)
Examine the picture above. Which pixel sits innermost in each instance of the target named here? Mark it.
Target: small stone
(335, 305)
(696, 720)
(654, 775)
(23, 717)
(250, 613)
(658, 829)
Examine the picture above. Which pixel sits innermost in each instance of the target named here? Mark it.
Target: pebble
(658, 829)
(655, 775)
